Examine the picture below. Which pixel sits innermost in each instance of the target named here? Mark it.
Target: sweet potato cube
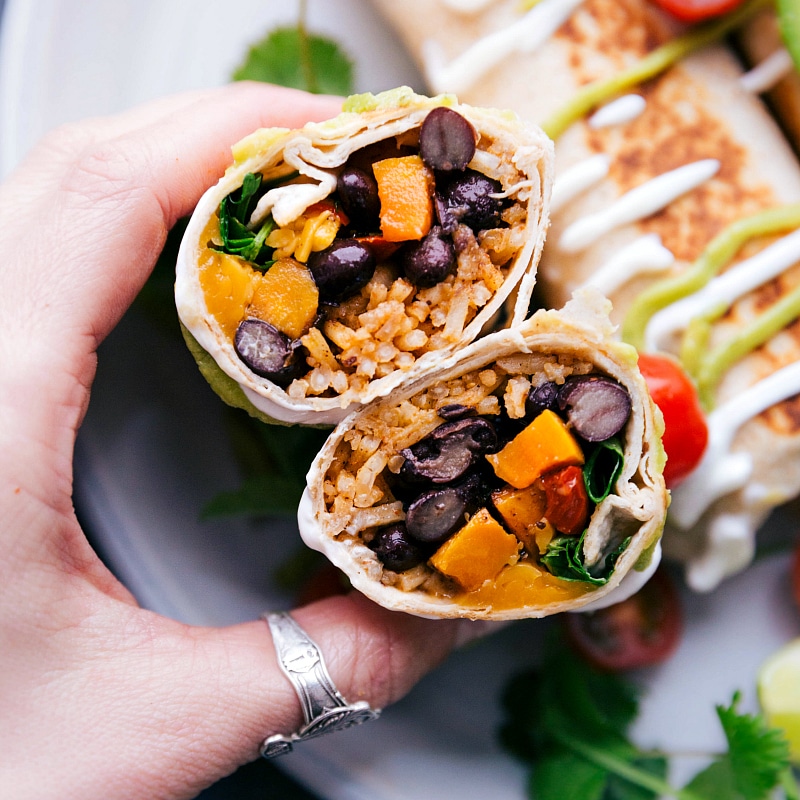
(228, 285)
(520, 508)
(477, 552)
(286, 297)
(405, 189)
(522, 511)
(544, 445)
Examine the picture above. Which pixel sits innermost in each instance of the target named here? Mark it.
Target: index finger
(110, 189)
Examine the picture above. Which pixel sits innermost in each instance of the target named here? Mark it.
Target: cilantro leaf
(570, 723)
(752, 767)
(291, 57)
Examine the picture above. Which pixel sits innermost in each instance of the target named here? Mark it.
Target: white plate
(153, 449)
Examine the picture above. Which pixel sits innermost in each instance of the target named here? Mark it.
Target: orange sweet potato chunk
(544, 445)
(228, 285)
(476, 553)
(286, 297)
(405, 189)
(522, 511)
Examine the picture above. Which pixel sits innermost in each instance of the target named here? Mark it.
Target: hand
(98, 697)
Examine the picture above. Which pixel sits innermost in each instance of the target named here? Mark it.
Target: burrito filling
(482, 488)
(417, 236)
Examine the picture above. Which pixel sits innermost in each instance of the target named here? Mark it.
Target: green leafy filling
(570, 723)
(602, 468)
(564, 559)
(234, 212)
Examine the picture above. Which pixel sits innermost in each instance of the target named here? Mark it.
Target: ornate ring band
(324, 708)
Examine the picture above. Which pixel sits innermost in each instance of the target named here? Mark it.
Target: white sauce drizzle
(727, 288)
(637, 204)
(467, 6)
(720, 471)
(729, 547)
(525, 36)
(287, 203)
(642, 256)
(766, 74)
(617, 112)
(578, 179)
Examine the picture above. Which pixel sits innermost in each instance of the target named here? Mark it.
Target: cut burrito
(521, 478)
(677, 196)
(332, 263)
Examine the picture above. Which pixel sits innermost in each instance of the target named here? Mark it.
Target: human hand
(98, 697)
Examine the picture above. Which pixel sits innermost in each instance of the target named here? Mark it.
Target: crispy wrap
(444, 498)
(299, 283)
(682, 174)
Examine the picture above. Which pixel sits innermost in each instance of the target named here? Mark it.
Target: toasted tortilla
(347, 498)
(519, 156)
(696, 110)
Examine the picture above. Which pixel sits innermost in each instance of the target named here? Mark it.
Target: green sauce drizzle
(653, 64)
(718, 254)
(714, 365)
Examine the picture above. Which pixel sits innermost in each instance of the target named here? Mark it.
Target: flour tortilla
(317, 152)
(636, 508)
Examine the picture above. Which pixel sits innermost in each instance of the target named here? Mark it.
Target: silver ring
(324, 708)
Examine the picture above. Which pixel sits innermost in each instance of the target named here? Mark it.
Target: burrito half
(522, 478)
(332, 263)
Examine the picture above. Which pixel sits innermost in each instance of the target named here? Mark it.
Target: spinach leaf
(564, 559)
(234, 212)
(602, 468)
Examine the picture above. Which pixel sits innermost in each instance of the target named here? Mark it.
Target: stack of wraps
(461, 419)
(676, 195)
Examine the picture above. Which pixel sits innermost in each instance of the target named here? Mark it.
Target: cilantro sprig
(301, 60)
(570, 723)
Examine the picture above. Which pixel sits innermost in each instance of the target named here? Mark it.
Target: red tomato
(697, 10)
(685, 429)
(380, 247)
(329, 205)
(567, 507)
(638, 632)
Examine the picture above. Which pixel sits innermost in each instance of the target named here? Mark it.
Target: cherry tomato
(685, 429)
(697, 10)
(567, 508)
(641, 631)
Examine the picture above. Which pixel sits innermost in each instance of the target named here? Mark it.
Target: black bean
(267, 351)
(358, 194)
(454, 411)
(466, 197)
(430, 260)
(541, 398)
(448, 452)
(342, 269)
(395, 549)
(446, 140)
(435, 515)
(597, 407)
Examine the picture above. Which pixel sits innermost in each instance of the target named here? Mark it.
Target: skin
(98, 697)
